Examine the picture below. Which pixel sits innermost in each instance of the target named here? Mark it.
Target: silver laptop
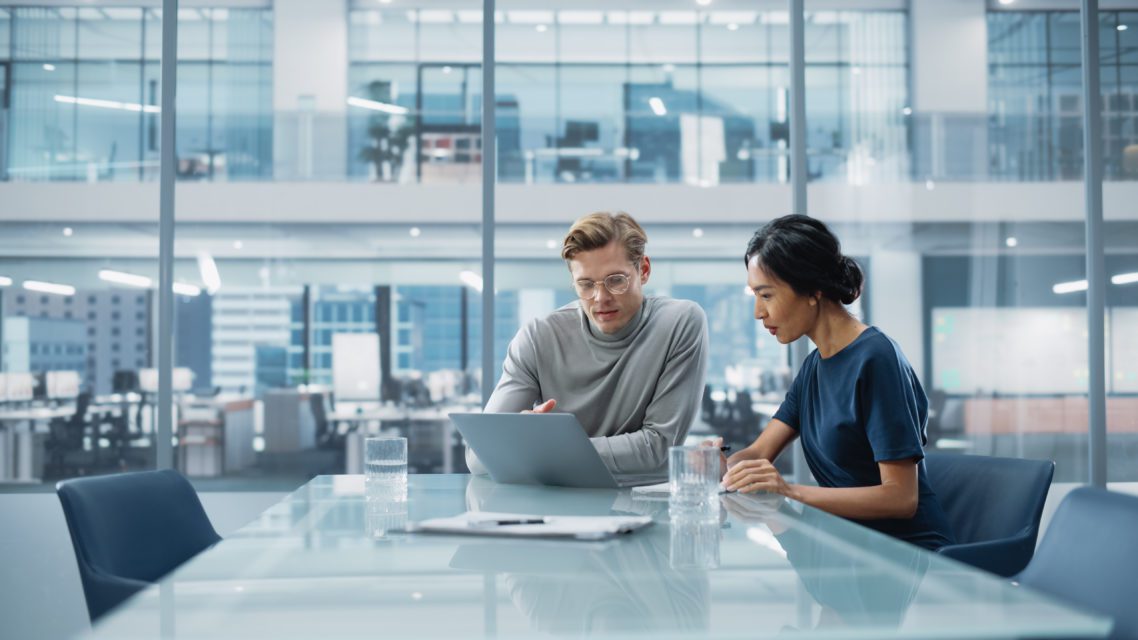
(540, 448)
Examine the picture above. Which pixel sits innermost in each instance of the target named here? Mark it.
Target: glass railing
(637, 148)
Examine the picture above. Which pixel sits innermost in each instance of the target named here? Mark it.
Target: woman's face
(783, 312)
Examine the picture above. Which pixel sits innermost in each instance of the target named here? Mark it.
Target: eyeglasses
(617, 284)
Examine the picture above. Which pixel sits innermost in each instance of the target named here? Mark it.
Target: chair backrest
(135, 526)
(987, 498)
(1089, 556)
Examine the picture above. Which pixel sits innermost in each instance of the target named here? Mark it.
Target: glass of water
(693, 478)
(385, 468)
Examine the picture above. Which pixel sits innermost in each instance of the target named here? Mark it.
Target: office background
(329, 181)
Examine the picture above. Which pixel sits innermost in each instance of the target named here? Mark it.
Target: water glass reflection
(694, 543)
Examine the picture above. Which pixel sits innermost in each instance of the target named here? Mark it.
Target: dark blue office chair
(129, 530)
(1089, 556)
(993, 506)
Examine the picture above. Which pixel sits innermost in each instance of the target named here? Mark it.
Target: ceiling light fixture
(1070, 287)
(181, 288)
(209, 273)
(124, 278)
(49, 287)
(378, 106)
(108, 104)
(471, 279)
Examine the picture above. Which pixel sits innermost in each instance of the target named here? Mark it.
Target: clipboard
(516, 525)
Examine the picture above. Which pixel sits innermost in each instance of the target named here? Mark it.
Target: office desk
(323, 563)
(18, 446)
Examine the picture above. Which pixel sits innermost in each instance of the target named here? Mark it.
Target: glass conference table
(326, 562)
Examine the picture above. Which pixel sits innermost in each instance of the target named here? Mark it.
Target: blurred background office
(329, 213)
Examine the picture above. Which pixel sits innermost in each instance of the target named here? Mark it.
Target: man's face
(608, 312)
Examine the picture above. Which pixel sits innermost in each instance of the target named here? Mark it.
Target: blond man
(630, 367)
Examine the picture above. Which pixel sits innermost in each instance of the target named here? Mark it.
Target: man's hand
(544, 407)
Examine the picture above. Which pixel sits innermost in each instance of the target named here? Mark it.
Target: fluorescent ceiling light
(529, 17)
(436, 16)
(541, 28)
(1006, 2)
(678, 17)
(580, 17)
(1011, 242)
(703, 3)
(1070, 287)
(49, 287)
(631, 17)
(48, 67)
(1125, 278)
(1122, 27)
(5, 281)
(378, 106)
(471, 279)
(208, 269)
(732, 17)
(697, 233)
(181, 288)
(657, 106)
(108, 104)
(470, 17)
(775, 17)
(128, 279)
(415, 232)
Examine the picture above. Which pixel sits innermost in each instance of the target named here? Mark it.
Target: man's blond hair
(597, 230)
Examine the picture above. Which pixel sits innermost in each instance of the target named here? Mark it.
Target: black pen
(725, 448)
(500, 523)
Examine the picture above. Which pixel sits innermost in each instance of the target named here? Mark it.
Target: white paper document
(662, 491)
(477, 523)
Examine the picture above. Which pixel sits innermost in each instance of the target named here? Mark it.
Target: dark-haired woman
(856, 404)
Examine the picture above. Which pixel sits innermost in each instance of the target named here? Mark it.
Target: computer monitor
(355, 366)
(62, 385)
(21, 387)
(124, 381)
(183, 380)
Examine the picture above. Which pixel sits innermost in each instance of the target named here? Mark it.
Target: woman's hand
(750, 476)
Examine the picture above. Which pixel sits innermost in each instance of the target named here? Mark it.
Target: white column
(949, 56)
(310, 89)
(949, 40)
(895, 304)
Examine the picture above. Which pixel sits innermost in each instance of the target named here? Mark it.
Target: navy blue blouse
(861, 406)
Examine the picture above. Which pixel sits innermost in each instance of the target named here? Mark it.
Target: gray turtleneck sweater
(636, 392)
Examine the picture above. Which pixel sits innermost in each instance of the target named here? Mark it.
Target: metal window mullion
(797, 106)
(1096, 263)
(489, 175)
(164, 449)
(797, 114)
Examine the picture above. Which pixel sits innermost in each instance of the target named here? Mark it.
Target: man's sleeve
(673, 407)
(517, 389)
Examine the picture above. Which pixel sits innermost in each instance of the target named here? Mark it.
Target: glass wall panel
(85, 90)
(678, 118)
(77, 289)
(330, 309)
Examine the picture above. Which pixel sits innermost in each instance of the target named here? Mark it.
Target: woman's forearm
(861, 503)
